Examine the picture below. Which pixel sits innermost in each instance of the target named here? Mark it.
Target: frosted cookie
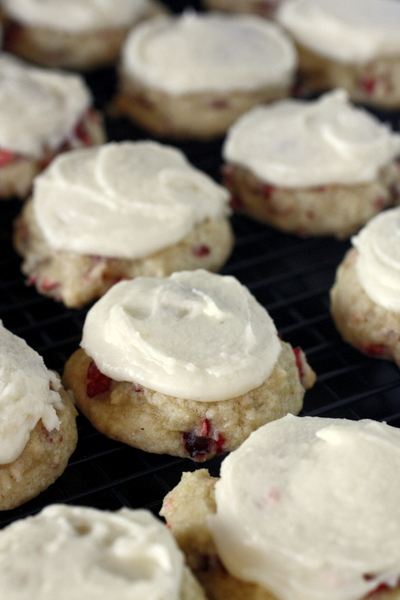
(263, 8)
(307, 507)
(354, 44)
(365, 298)
(84, 553)
(37, 423)
(114, 212)
(42, 113)
(192, 75)
(71, 33)
(187, 365)
(321, 167)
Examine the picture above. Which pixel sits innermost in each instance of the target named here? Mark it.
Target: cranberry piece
(11, 33)
(299, 362)
(373, 349)
(201, 250)
(266, 8)
(236, 203)
(267, 190)
(97, 383)
(82, 133)
(6, 157)
(48, 285)
(220, 104)
(368, 84)
(203, 445)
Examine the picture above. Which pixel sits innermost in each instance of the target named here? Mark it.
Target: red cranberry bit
(381, 587)
(220, 104)
(47, 285)
(201, 250)
(236, 203)
(6, 157)
(201, 446)
(11, 33)
(82, 133)
(266, 8)
(97, 383)
(267, 190)
(368, 85)
(227, 172)
(373, 350)
(379, 202)
(299, 362)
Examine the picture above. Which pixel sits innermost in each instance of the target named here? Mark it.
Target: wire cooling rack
(290, 276)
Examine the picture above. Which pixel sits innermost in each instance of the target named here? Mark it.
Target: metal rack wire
(290, 276)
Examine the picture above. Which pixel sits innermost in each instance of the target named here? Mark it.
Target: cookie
(116, 212)
(42, 113)
(194, 364)
(191, 76)
(347, 43)
(365, 296)
(37, 426)
(299, 511)
(71, 34)
(85, 553)
(317, 167)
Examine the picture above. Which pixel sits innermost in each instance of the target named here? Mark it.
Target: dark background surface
(290, 276)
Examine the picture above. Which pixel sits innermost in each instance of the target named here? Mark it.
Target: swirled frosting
(295, 143)
(210, 51)
(124, 200)
(83, 553)
(76, 16)
(309, 507)
(39, 108)
(25, 395)
(349, 31)
(378, 259)
(193, 335)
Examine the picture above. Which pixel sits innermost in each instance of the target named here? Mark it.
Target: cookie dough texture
(326, 210)
(363, 323)
(75, 279)
(192, 77)
(64, 46)
(187, 509)
(42, 461)
(158, 423)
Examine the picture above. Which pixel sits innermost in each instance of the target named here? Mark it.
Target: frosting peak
(76, 15)
(310, 508)
(69, 552)
(350, 31)
(297, 143)
(378, 259)
(25, 395)
(39, 108)
(124, 200)
(193, 335)
(210, 51)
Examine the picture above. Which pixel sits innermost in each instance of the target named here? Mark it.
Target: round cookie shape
(292, 469)
(299, 144)
(86, 553)
(230, 53)
(73, 15)
(124, 200)
(191, 76)
(312, 167)
(193, 335)
(347, 31)
(42, 113)
(350, 44)
(299, 511)
(37, 423)
(188, 365)
(364, 297)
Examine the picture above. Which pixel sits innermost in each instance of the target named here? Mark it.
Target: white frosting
(209, 51)
(68, 552)
(193, 335)
(378, 259)
(295, 143)
(309, 508)
(125, 200)
(39, 108)
(349, 31)
(25, 395)
(76, 16)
